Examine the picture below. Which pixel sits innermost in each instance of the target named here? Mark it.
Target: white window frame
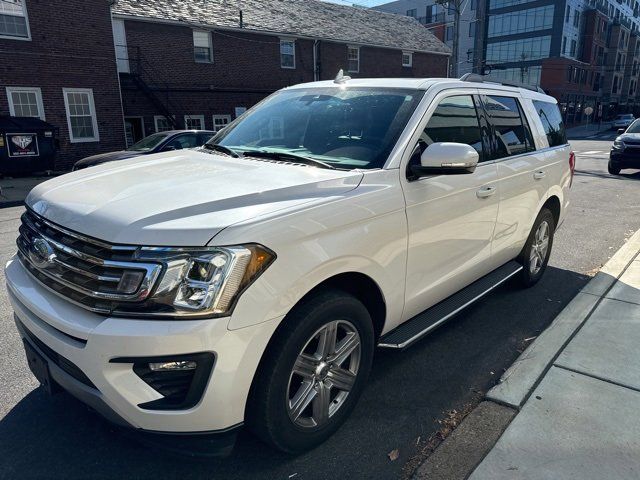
(155, 123)
(194, 117)
(26, 19)
(293, 42)
(410, 55)
(35, 90)
(210, 40)
(92, 111)
(349, 49)
(220, 117)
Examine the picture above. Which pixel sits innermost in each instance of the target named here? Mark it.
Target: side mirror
(621, 131)
(446, 158)
(168, 148)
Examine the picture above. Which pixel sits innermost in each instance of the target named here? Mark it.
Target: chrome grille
(92, 273)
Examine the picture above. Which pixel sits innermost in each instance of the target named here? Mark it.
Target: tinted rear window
(552, 122)
(512, 133)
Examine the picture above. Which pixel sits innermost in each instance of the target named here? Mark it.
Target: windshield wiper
(220, 148)
(289, 156)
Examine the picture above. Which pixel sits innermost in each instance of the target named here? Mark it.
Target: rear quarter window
(552, 122)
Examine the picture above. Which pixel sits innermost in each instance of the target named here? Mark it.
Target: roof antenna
(341, 77)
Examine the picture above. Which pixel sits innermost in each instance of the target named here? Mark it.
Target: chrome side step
(417, 327)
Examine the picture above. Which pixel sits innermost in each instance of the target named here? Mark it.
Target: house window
(202, 47)
(220, 121)
(162, 123)
(25, 102)
(13, 20)
(240, 111)
(449, 34)
(407, 59)
(288, 53)
(194, 122)
(576, 18)
(574, 46)
(472, 5)
(564, 45)
(412, 13)
(567, 14)
(81, 115)
(472, 29)
(353, 59)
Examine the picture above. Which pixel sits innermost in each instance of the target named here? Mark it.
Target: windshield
(148, 143)
(344, 127)
(634, 127)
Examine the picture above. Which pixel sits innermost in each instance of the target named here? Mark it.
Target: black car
(625, 152)
(155, 143)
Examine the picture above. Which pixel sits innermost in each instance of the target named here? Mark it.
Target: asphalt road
(407, 394)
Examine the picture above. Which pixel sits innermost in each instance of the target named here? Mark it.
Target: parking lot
(408, 392)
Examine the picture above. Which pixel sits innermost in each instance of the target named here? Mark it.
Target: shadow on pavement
(407, 393)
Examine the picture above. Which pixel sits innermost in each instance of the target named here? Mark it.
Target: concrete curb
(516, 384)
(468, 444)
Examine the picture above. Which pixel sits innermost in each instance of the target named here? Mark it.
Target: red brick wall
(71, 47)
(246, 68)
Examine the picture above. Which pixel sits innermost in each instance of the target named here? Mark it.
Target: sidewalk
(569, 406)
(586, 131)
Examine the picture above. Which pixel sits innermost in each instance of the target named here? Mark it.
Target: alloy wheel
(539, 248)
(323, 374)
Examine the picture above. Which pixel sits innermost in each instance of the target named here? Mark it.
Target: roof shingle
(309, 18)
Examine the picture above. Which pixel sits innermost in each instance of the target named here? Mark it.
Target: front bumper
(625, 158)
(89, 342)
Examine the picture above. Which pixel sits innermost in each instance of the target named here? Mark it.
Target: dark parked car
(625, 152)
(155, 143)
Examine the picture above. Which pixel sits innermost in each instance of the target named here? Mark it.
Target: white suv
(250, 281)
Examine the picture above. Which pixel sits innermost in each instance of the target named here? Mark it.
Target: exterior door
(451, 218)
(522, 172)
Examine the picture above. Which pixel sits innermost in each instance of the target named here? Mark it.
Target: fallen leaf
(393, 454)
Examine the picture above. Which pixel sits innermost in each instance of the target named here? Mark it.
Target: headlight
(199, 282)
(618, 144)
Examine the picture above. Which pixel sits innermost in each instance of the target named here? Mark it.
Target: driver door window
(455, 119)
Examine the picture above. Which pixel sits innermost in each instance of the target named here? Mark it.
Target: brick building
(225, 56)
(82, 65)
(57, 63)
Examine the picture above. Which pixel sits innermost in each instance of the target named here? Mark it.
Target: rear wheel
(613, 170)
(313, 373)
(535, 254)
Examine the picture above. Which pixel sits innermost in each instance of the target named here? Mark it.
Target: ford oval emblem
(41, 253)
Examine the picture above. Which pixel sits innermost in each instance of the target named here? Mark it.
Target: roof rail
(474, 77)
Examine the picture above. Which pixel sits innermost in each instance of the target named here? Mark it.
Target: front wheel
(313, 372)
(613, 170)
(535, 254)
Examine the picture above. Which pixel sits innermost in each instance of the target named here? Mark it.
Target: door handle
(539, 175)
(486, 192)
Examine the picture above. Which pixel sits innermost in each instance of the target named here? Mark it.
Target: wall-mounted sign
(22, 144)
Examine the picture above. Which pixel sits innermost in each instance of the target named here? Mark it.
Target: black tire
(530, 275)
(267, 413)
(613, 170)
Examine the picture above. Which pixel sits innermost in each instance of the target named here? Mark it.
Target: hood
(629, 136)
(180, 199)
(106, 157)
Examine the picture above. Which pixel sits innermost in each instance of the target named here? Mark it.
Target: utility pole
(456, 7)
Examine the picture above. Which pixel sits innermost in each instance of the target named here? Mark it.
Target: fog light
(173, 366)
